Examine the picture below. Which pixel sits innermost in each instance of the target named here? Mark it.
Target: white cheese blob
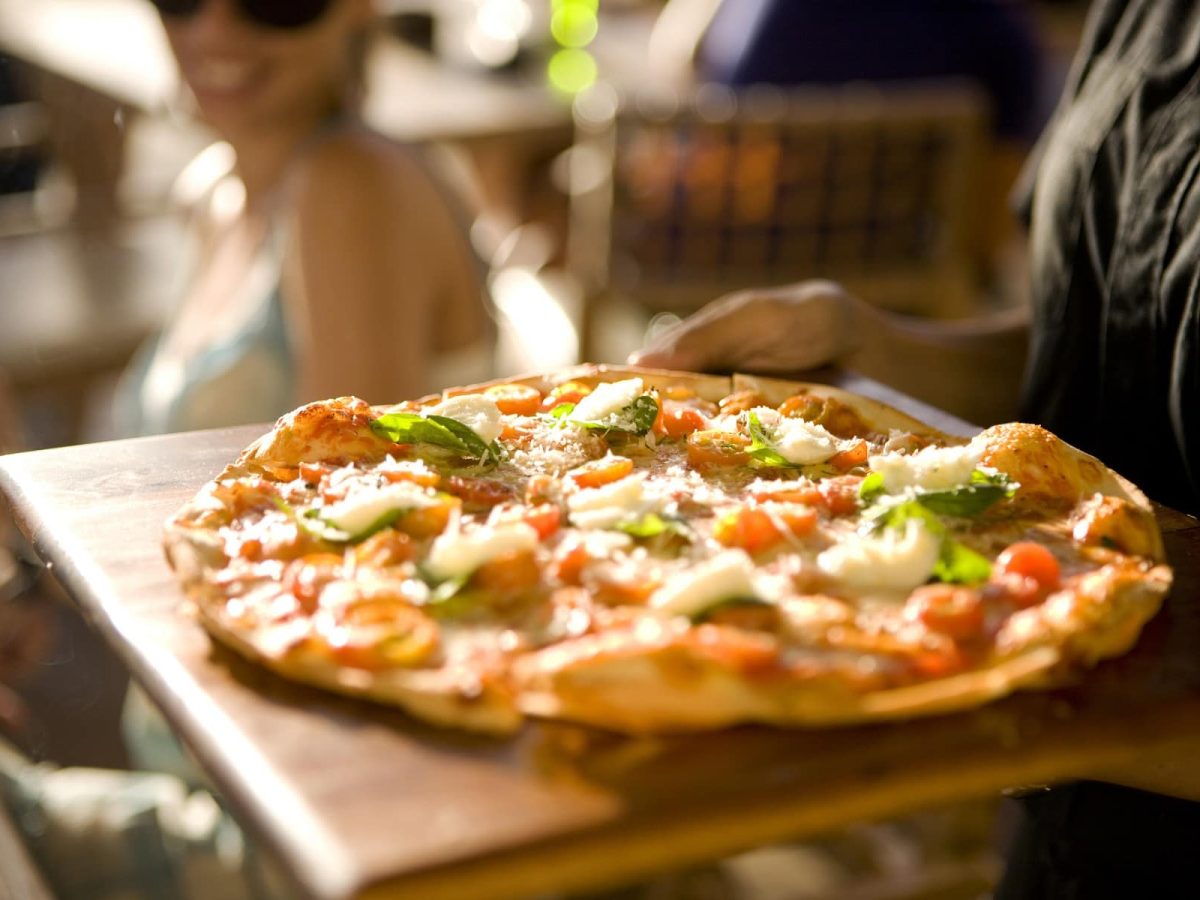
(459, 553)
(930, 469)
(610, 504)
(475, 411)
(726, 576)
(362, 509)
(607, 399)
(892, 560)
(800, 442)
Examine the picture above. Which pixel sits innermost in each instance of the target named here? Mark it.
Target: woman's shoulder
(355, 169)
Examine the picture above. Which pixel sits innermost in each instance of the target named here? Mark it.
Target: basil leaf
(313, 527)
(959, 564)
(441, 431)
(473, 442)
(971, 499)
(895, 515)
(340, 535)
(636, 418)
(760, 445)
(650, 525)
(871, 487)
(562, 410)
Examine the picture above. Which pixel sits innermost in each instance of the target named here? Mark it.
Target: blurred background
(620, 162)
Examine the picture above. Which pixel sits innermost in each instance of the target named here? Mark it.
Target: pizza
(652, 552)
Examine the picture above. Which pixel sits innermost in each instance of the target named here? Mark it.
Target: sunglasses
(284, 14)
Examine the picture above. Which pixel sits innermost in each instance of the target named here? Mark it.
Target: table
(360, 801)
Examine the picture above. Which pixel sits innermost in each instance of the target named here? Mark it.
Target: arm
(377, 276)
(810, 324)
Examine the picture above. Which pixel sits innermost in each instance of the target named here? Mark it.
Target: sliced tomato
(955, 611)
(677, 420)
(838, 495)
(409, 470)
(756, 528)
(567, 392)
(508, 574)
(305, 577)
(570, 557)
(515, 399)
(599, 472)
(1026, 573)
(740, 401)
(544, 518)
(429, 521)
(386, 547)
(479, 491)
(850, 457)
(312, 473)
(717, 448)
(1032, 561)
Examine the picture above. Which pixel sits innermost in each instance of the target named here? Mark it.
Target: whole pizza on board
(653, 551)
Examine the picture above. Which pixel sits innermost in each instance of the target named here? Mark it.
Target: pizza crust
(665, 682)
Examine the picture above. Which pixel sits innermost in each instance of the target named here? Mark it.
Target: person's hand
(784, 329)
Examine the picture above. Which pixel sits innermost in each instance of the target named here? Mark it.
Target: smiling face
(248, 78)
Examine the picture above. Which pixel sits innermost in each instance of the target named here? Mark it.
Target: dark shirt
(790, 42)
(1115, 369)
(1115, 251)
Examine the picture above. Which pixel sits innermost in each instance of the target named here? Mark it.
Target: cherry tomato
(567, 392)
(509, 573)
(849, 458)
(515, 399)
(948, 609)
(717, 448)
(1030, 560)
(756, 528)
(386, 547)
(676, 420)
(740, 401)
(599, 472)
(411, 471)
(570, 557)
(479, 491)
(544, 517)
(428, 521)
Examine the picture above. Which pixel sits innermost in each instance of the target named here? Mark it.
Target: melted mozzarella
(605, 506)
(365, 507)
(893, 560)
(800, 442)
(475, 411)
(931, 469)
(723, 577)
(606, 400)
(459, 553)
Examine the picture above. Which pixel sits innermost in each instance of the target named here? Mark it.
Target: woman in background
(328, 260)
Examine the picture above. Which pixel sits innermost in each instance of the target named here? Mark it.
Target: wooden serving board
(359, 800)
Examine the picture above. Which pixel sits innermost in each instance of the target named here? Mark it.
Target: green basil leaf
(871, 487)
(340, 535)
(760, 445)
(983, 490)
(473, 442)
(562, 410)
(895, 515)
(441, 431)
(309, 524)
(636, 418)
(650, 525)
(959, 564)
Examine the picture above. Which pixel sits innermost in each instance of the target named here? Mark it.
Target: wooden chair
(676, 201)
